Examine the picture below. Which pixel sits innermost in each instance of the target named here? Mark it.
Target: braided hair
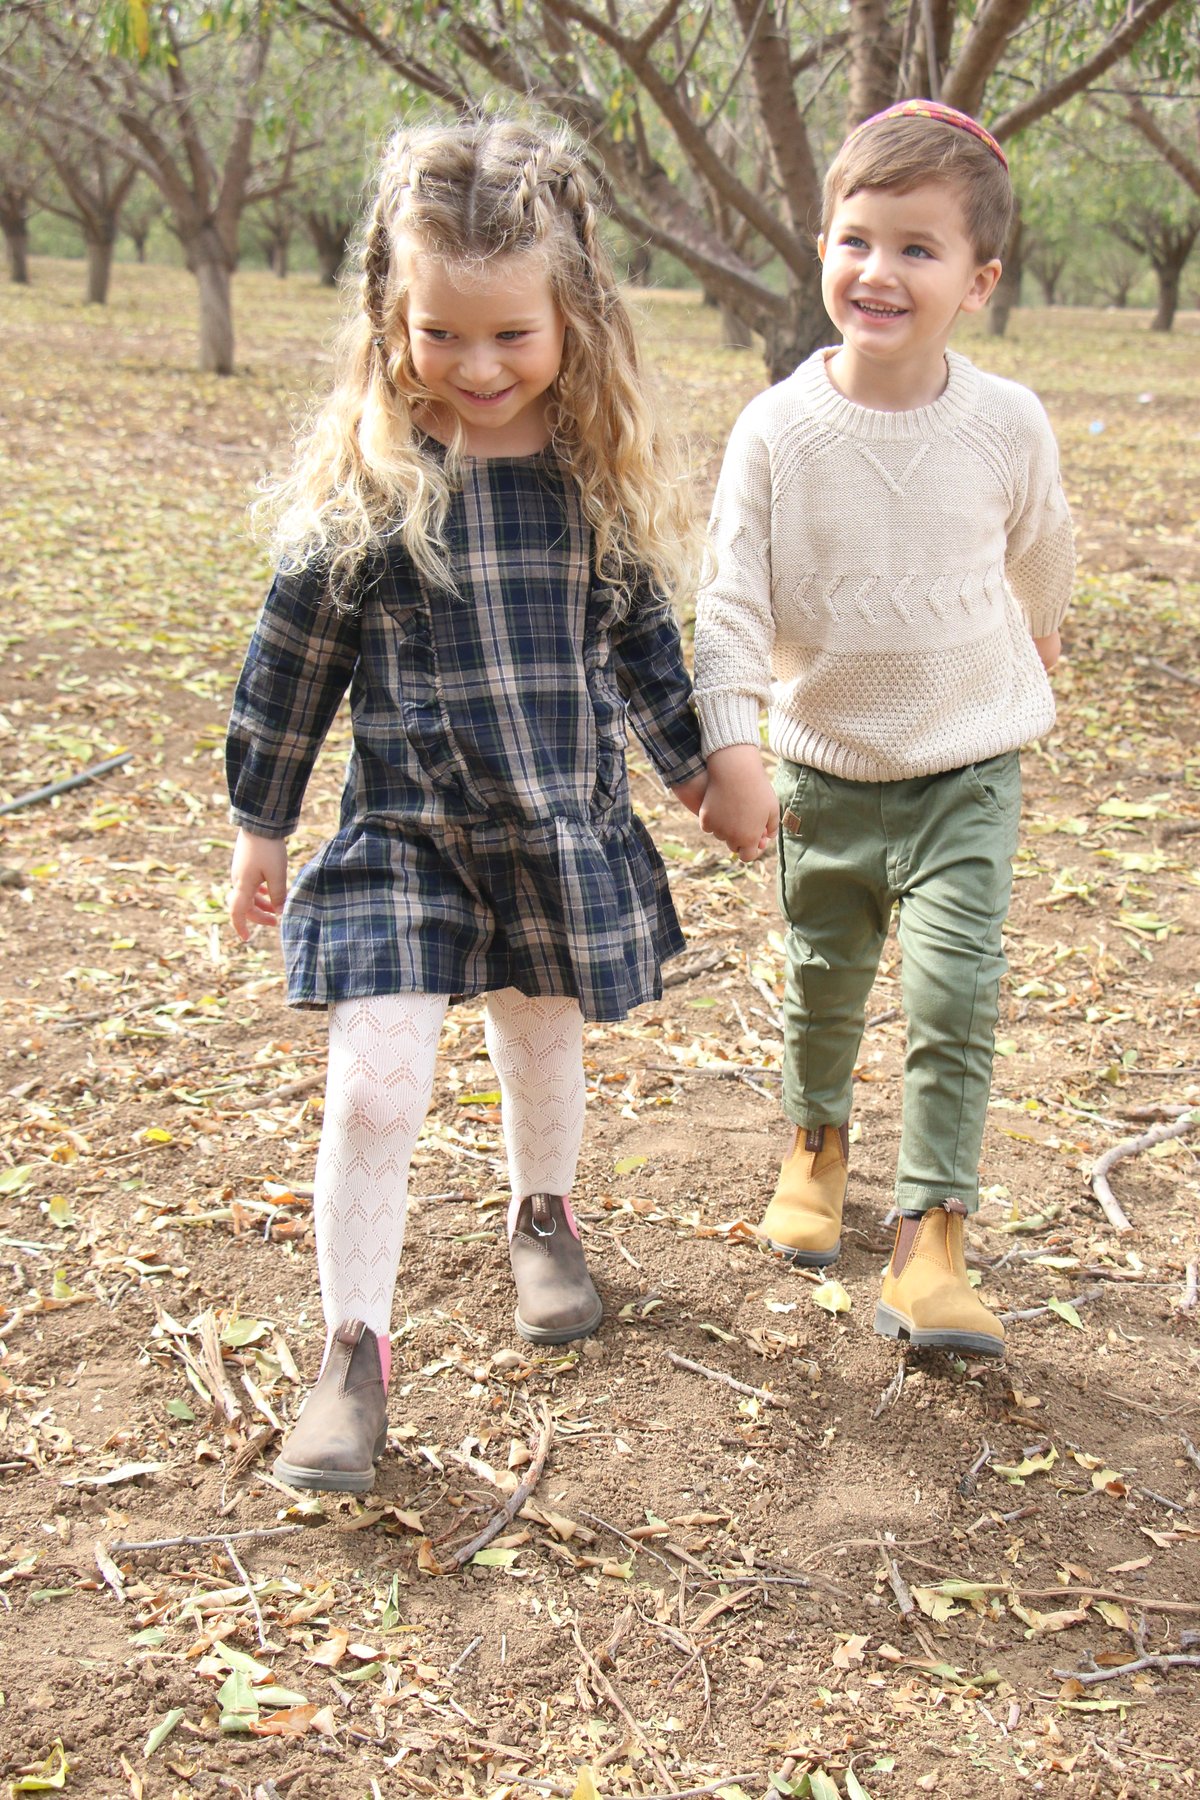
(470, 194)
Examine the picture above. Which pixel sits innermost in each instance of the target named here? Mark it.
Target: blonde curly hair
(469, 194)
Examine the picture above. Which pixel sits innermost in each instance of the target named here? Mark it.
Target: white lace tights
(381, 1064)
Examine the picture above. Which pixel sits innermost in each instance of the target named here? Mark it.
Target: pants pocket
(796, 788)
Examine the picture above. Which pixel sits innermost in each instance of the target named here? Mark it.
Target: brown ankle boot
(556, 1301)
(804, 1219)
(926, 1295)
(342, 1429)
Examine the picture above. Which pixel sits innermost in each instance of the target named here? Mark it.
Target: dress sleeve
(648, 663)
(298, 666)
(735, 620)
(1040, 557)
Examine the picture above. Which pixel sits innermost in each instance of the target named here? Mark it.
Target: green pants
(940, 847)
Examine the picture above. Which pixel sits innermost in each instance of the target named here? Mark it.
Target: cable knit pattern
(880, 577)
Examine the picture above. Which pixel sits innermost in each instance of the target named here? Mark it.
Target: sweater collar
(824, 402)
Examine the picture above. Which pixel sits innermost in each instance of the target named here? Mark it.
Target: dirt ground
(853, 1573)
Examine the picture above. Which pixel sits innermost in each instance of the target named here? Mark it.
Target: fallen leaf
(831, 1297)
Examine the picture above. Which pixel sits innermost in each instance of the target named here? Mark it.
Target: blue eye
(917, 250)
(854, 243)
(435, 332)
(510, 337)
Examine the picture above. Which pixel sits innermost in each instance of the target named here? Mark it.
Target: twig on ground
(512, 1506)
(893, 1390)
(211, 1537)
(291, 1090)
(605, 1687)
(1089, 1677)
(696, 962)
(1190, 1450)
(66, 784)
(1191, 1288)
(632, 1543)
(110, 1572)
(903, 1593)
(469, 1652)
(1098, 1179)
(740, 1387)
(760, 987)
(255, 1608)
(969, 1482)
(724, 1603)
(1166, 668)
(1084, 1298)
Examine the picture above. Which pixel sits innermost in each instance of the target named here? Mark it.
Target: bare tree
(182, 107)
(647, 83)
(94, 185)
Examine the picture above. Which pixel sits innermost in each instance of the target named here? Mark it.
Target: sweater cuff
(727, 719)
(1047, 618)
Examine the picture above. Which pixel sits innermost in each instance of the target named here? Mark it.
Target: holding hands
(739, 804)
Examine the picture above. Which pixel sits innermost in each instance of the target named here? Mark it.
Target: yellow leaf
(831, 1297)
(154, 1134)
(52, 1773)
(585, 1787)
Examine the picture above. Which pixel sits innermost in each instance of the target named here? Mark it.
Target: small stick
(968, 1484)
(1036, 1312)
(291, 1090)
(685, 1362)
(903, 1593)
(513, 1504)
(1098, 1179)
(605, 1687)
(1166, 668)
(1190, 1451)
(1191, 1288)
(66, 784)
(1089, 1677)
(892, 1391)
(232, 1554)
(458, 1662)
(698, 962)
(212, 1537)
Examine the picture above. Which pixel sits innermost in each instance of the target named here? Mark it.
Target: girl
(481, 539)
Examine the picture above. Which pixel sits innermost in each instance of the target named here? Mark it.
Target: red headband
(933, 109)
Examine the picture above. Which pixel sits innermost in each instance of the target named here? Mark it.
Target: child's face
(897, 269)
(487, 343)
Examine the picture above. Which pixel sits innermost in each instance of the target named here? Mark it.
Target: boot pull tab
(813, 1138)
(541, 1217)
(956, 1206)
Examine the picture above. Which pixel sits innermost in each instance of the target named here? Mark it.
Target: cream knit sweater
(880, 577)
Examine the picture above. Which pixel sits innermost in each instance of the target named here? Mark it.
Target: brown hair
(900, 153)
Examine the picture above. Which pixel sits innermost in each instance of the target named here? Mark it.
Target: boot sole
(331, 1481)
(892, 1324)
(806, 1259)
(558, 1334)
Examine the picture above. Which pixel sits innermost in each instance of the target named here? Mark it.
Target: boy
(894, 558)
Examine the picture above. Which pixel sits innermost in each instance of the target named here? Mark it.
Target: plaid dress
(486, 838)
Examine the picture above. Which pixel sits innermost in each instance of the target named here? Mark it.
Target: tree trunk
(279, 257)
(216, 316)
(1049, 287)
(16, 238)
(1007, 292)
(99, 268)
(138, 240)
(735, 333)
(1168, 295)
(788, 342)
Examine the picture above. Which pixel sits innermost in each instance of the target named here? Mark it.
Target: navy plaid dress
(486, 837)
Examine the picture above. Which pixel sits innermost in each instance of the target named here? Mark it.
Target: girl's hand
(259, 878)
(1049, 649)
(691, 793)
(739, 803)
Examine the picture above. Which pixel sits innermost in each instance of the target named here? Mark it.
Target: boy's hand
(691, 792)
(739, 804)
(1049, 649)
(259, 882)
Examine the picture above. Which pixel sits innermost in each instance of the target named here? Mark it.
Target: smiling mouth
(874, 310)
(482, 398)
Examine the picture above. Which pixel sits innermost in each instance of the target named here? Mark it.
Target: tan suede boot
(926, 1295)
(556, 1301)
(342, 1429)
(804, 1219)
